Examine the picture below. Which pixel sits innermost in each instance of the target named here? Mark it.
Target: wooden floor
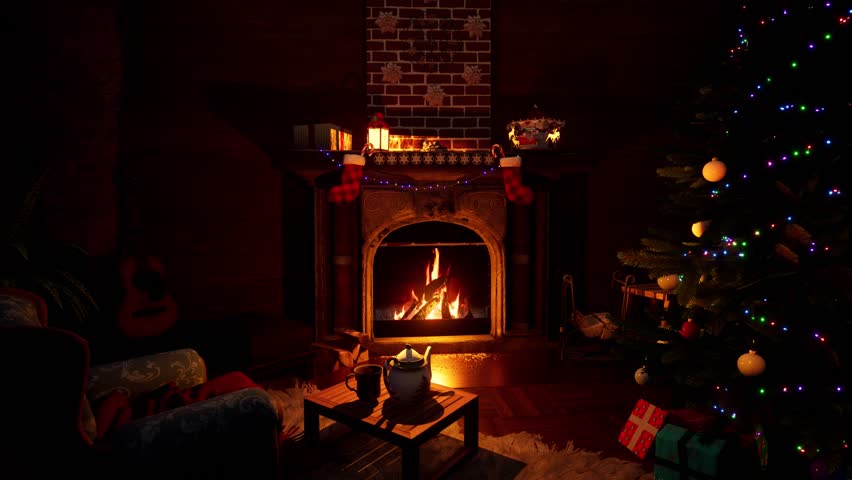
(585, 398)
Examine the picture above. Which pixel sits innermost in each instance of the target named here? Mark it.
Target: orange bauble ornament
(751, 364)
(714, 170)
(668, 282)
(698, 228)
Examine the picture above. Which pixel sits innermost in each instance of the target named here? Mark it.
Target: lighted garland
(417, 187)
(428, 186)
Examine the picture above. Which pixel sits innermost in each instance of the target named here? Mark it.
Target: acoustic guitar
(147, 308)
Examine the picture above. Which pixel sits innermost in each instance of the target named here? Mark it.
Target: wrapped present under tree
(680, 453)
(641, 428)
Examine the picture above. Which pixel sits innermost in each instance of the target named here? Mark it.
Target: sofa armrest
(241, 426)
(139, 375)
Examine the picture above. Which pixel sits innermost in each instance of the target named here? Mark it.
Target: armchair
(49, 426)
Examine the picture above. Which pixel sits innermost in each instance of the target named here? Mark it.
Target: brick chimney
(429, 71)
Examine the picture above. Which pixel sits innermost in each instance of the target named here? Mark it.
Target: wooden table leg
(471, 426)
(311, 424)
(411, 462)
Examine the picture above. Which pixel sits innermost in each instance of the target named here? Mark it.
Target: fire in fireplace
(431, 279)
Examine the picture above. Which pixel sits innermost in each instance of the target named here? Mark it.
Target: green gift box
(681, 454)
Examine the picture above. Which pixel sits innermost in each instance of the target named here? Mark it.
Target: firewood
(430, 304)
(414, 311)
(337, 355)
(355, 335)
(434, 286)
(362, 357)
(431, 293)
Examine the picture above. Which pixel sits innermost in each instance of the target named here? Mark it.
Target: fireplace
(362, 259)
(431, 278)
(433, 263)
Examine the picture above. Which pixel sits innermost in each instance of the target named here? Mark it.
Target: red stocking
(350, 180)
(512, 181)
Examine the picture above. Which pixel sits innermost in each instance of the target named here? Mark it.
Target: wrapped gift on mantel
(641, 428)
(322, 136)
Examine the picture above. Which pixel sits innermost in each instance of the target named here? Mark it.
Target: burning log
(434, 287)
(429, 306)
(417, 309)
(431, 296)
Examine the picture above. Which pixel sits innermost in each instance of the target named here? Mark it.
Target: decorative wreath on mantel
(535, 132)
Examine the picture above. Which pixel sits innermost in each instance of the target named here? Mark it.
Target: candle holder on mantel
(536, 132)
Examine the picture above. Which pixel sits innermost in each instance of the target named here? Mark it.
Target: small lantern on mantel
(378, 132)
(536, 132)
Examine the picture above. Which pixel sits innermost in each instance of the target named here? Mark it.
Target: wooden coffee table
(407, 427)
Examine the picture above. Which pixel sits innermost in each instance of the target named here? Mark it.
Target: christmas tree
(755, 237)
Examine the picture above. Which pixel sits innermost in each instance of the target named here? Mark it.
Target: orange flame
(436, 312)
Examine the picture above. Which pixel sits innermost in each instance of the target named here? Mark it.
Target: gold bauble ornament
(751, 364)
(668, 282)
(698, 228)
(714, 170)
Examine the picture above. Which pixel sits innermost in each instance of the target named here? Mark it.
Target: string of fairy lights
(728, 247)
(804, 150)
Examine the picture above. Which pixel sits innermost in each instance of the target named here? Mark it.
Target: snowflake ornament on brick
(475, 26)
(434, 96)
(391, 73)
(387, 22)
(472, 75)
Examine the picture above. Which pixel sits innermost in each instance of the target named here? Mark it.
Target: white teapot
(408, 376)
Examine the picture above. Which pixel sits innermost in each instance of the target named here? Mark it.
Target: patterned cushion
(240, 412)
(138, 375)
(18, 311)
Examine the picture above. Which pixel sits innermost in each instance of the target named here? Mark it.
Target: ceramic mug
(368, 380)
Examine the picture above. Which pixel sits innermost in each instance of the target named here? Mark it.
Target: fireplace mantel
(314, 166)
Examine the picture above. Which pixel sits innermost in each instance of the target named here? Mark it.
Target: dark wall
(211, 88)
(63, 134)
(612, 70)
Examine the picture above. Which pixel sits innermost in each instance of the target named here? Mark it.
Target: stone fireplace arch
(483, 211)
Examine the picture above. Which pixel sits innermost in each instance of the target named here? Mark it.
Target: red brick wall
(428, 67)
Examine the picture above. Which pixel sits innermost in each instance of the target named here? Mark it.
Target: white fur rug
(542, 461)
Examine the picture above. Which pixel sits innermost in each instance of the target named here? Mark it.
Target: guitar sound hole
(148, 312)
(151, 283)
